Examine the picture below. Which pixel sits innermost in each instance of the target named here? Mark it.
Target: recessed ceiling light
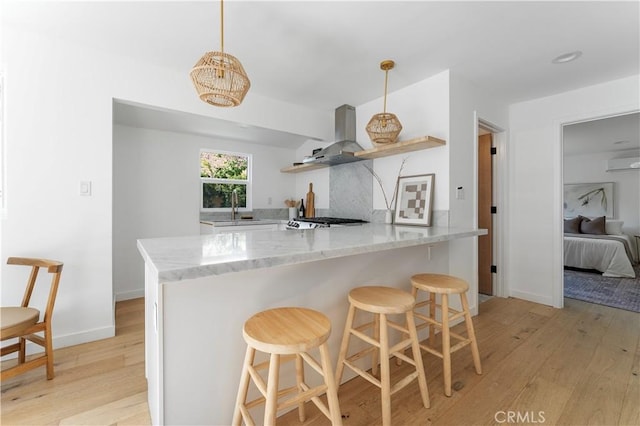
(567, 57)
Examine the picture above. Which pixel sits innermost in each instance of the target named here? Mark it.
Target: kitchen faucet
(234, 204)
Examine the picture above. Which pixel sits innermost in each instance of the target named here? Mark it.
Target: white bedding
(606, 256)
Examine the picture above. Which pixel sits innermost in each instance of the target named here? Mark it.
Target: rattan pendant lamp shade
(218, 77)
(384, 128)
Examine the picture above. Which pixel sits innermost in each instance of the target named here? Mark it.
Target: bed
(613, 255)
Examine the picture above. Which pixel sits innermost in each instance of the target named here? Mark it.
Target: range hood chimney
(341, 151)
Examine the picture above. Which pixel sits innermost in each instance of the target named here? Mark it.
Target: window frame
(248, 183)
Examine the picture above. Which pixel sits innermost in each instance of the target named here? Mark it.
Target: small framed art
(415, 199)
(588, 199)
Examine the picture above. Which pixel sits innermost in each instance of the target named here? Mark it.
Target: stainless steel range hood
(342, 150)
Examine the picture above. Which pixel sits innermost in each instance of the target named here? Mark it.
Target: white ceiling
(613, 134)
(137, 115)
(323, 54)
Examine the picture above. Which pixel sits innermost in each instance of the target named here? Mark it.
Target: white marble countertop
(182, 258)
(242, 222)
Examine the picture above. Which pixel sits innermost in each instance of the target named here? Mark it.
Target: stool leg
(376, 336)
(385, 379)
(417, 358)
(414, 293)
(48, 350)
(345, 344)
(471, 333)
(243, 388)
(446, 345)
(300, 381)
(332, 390)
(22, 353)
(271, 405)
(432, 315)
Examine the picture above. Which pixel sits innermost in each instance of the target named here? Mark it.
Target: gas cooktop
(330, 220)
(321, 222)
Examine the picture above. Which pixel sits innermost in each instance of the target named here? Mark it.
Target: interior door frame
(557, 295)
(499, 198)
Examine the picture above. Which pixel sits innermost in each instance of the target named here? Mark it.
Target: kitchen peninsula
(199, 290)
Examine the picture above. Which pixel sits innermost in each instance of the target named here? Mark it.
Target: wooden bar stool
(381, 301)
(444, 285)
(286, 334)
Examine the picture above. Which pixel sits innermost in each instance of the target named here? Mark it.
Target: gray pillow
(593, 226)
(572, 226)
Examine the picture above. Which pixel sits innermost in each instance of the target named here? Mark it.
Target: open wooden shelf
(303, 168)
(415, 144)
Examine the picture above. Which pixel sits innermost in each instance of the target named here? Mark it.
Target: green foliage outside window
(218, 195)
(215, 169)
(223, 166)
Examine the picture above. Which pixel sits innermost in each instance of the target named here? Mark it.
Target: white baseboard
(71, 340)
(532, 297)
(127, 295)
(84, 336)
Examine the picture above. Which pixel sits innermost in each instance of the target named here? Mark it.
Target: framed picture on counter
(415, 199)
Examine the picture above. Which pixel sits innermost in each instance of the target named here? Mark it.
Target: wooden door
(485, 201)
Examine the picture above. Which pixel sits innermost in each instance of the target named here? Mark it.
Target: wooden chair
(286, 334)
(383, 301)
(445, 285)
(22, 322)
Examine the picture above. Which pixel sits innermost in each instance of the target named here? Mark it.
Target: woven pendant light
(218, 77)
(384, 128)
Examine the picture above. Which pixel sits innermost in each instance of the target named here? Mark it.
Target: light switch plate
(85, 187)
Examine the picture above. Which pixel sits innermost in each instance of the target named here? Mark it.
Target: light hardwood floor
(97, 383)
(575, 366)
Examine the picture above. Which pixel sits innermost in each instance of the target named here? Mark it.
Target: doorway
(485, 216)
(599, 152)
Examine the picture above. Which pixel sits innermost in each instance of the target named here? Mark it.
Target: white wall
(156, 191)
(423, 110)
(585, 168)
(534, 229)
(58, 129)
(468, 103)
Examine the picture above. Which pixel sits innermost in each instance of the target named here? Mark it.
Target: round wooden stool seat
(15, 319)
(286, 330)
(286, 334)
(381, 300)
(439, 283)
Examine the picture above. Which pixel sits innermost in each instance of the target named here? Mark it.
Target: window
(222, 173)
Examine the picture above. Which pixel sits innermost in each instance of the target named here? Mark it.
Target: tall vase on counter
(388, 216)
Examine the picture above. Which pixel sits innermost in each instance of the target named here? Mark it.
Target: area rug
(591, 286)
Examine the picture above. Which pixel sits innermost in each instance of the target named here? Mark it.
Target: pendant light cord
(221, 26)
(386, 75)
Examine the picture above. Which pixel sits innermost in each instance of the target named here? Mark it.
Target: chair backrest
(53, 266)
